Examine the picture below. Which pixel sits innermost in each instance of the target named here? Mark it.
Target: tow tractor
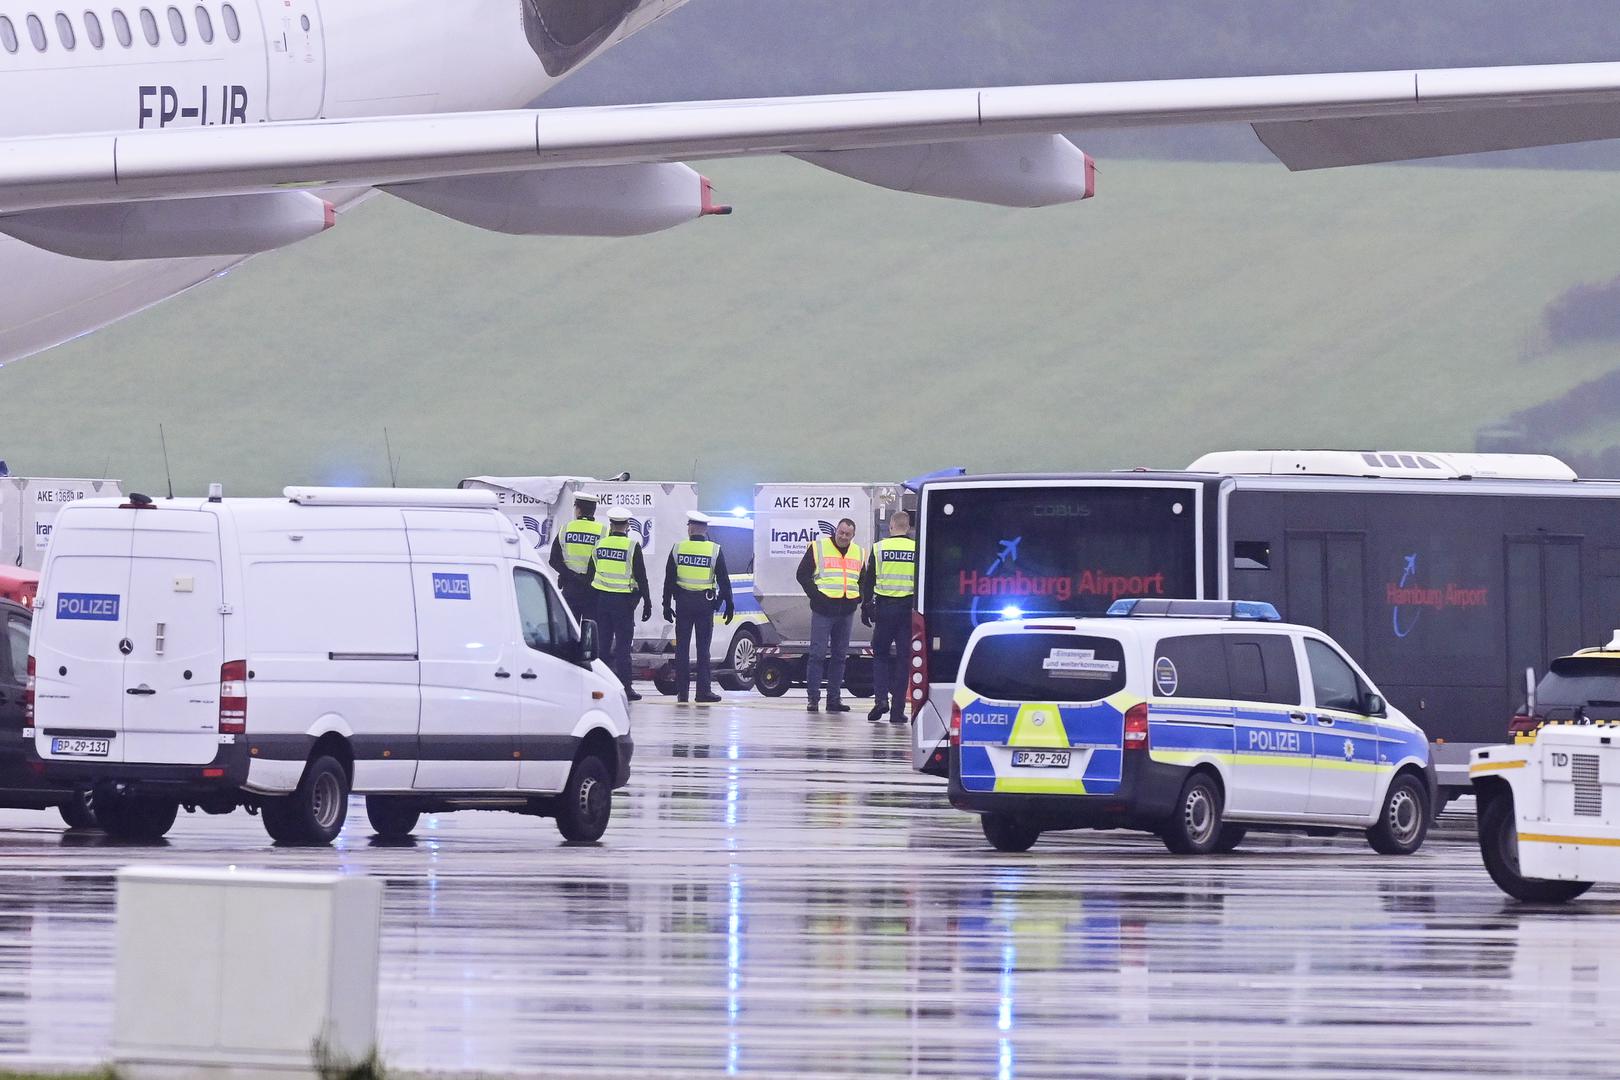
(1549, 809)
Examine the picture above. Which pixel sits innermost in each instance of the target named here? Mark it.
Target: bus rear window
(993, 551)
(1045, 667)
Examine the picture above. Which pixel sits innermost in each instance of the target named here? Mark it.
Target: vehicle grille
(1588, 789)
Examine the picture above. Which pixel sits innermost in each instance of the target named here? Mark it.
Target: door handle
(502, 673)
(528, 675)
(1297, 717)
(1325, 721)
(141, 691)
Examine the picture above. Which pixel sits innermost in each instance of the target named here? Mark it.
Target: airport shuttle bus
(1447, 576)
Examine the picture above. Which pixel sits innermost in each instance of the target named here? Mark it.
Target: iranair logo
(540, 529)
(452, 587)
(643, 529)
(790, 536)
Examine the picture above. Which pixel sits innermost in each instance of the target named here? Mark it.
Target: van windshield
(1045, 667)
(1048, 550)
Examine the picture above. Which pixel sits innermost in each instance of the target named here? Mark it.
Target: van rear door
(1040, 716)
(175, 634)
(79, 665)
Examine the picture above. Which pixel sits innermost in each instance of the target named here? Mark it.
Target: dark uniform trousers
(615, 629)
(580, 595)
(891, 647)
(694, 620)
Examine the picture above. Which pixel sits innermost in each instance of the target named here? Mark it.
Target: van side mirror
(587, 641)
(1374, 705)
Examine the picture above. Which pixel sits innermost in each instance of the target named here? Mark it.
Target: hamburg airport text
(1062, 587)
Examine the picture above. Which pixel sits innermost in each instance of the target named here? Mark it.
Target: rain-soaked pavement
(779, 895)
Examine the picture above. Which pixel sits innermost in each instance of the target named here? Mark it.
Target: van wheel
(1195, 826)
(1231, 836)
(136, 817)
(1499, 846)
(313, 814)
(1007, 833)
(771, 676)
(664, 679)
(740, 660)
(393, 817)
(1404, 820)
(586, 802)
(77, 813)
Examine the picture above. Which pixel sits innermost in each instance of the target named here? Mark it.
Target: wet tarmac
(780, 895)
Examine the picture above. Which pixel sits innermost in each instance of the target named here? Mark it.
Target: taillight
(233, 697)
(917, 664)
(28, 696)
(956, 724)
(1136, 727)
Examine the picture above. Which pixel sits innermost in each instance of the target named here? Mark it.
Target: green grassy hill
(829, 330)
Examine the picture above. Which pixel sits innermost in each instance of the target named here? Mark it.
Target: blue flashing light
(1012, 611)
(739, 511)
(1238, 610)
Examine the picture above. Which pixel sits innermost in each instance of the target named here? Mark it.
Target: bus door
(1543, 603)
(1327, 586)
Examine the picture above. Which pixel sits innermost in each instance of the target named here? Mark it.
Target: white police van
(278, 654)
(1196, 720)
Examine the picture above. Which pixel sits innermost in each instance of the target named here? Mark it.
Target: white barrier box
(242, 973)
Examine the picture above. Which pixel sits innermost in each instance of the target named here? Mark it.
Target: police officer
(571, 555)
(618, 578)
(888, 594)
(696, 585)
(830, 575)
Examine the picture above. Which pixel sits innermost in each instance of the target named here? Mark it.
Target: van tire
(314, 813)
(1403, 821)
(77, 813)
(136, 817)
(740, 660)
(1499, 847)
(1194, 827)
(1008, 833)
(393, 817)
(586, 803)
(1231, 836)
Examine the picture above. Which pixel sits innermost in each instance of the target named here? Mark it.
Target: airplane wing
(1310, 121)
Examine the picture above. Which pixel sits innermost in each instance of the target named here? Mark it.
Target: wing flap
(1330, 144)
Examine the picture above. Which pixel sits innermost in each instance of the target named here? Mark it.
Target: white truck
(28, 509)
(1549, 810)
(788, 518)
(277, 654)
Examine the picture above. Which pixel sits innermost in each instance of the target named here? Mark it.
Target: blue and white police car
(1196, 720)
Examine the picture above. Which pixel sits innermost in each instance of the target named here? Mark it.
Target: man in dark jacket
(830, 575)
(696, 585)
(888, 596)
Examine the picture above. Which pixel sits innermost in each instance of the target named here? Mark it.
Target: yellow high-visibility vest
(614, 559)
(838, 573)
(579, 540)
(895, 572)
(695, 565)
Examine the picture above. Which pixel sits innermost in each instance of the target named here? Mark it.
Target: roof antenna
(393, 463)
(166, 474)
